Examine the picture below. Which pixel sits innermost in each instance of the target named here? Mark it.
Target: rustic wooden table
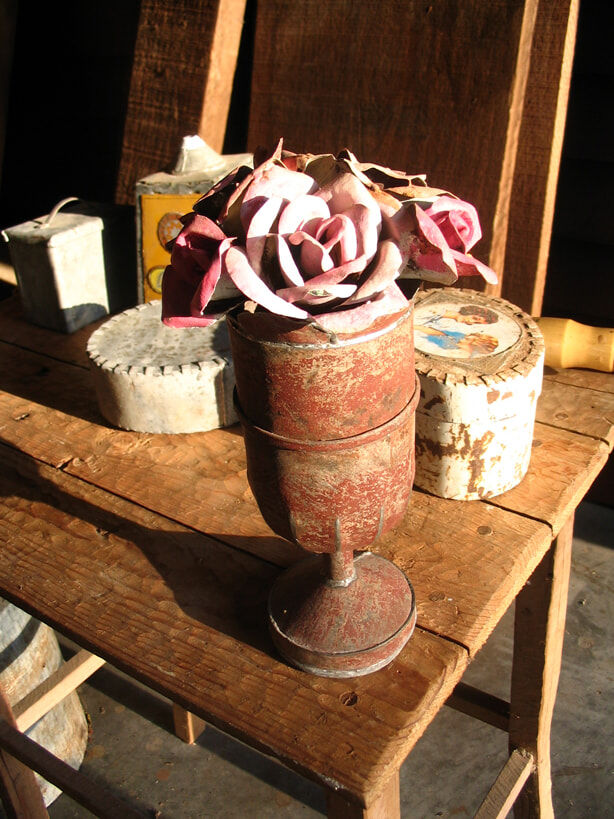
(149, 551)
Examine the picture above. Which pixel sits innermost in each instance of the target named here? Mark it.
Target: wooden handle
(571, 344)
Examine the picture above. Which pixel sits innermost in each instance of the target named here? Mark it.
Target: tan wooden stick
(506, 787)
(100, 801)
(21, 796)
(57, 686)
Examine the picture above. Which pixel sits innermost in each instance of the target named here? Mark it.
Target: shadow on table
(211, 583)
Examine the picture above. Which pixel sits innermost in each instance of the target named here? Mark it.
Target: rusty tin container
(329, 433)
(480, 361)
(299, 382)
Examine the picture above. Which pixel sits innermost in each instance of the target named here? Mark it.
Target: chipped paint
(475, 419)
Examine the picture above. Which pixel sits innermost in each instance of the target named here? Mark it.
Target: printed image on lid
(453, 329)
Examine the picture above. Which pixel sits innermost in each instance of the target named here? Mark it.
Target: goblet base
(341, 629)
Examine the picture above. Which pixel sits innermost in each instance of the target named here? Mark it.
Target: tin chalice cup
(329, 438)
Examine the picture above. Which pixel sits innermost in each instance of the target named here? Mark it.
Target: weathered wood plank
(504, 792)
(539, 154)
(68, 347)
(574, 408)
(167, 474)
(184, 62)
(200, 480)
(563, 466)
(186, 616)
(388, 81)
(55, 687)
(465, 560)
(588, 379)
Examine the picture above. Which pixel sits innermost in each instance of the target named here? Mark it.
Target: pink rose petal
(457, 220)
(346, 191)
(287, 265)
(368, 225)
(467, 265)
(203, 294)
(339, 229)
(314, 258)
(300, 212)
(308, 294)
(275, 180)
(243, 276)
(386, 268)
(356, 319)
(258, 228)
(424, 248)
(337, 274)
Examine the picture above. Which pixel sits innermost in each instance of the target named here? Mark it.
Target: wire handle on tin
(56, 209)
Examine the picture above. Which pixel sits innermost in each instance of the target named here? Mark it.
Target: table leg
(538, 646)
(188, 726)
(19, 791)
(386, 806)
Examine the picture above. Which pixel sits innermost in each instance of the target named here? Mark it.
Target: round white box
(480, 363)
(153, 378)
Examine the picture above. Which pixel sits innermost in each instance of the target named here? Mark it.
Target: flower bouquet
(323, 239)
(314, 260)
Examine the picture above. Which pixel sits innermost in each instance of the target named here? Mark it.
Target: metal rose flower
(317, 238)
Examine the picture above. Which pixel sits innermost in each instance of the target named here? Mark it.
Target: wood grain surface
(434, 88)
(539, 154)
(186, 615)
(124, 540)
(184, 63)
(200, 481)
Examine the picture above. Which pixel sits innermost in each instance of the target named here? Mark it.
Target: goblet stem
(341, 570)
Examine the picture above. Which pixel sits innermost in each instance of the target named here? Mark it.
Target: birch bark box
(480, 363)
(152, 378)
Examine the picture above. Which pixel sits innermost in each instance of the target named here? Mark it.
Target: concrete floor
(132, 746)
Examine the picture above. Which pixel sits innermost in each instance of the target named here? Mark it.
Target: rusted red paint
(319, 492)
(339, 631)
(296, 382)
(329, 436)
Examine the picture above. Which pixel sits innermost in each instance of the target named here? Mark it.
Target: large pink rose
(316, 238)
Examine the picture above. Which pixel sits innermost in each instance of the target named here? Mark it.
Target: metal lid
(477, 356)
(57, 228)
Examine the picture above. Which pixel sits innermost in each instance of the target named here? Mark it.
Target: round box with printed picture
(480, 363)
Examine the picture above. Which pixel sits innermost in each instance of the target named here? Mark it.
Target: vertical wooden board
(420, 86)
(184, 62)
(539, 154)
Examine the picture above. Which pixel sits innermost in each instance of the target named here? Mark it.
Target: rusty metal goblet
(329, 438)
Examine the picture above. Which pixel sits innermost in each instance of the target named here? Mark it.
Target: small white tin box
(480, 363)
(75, 264)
